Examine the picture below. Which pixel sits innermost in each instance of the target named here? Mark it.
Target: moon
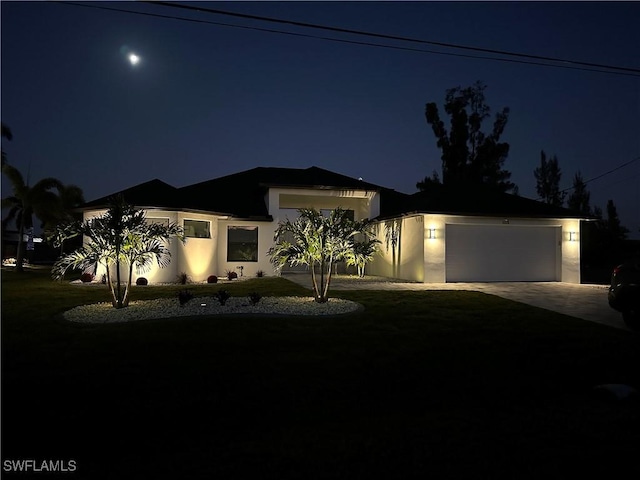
(134, 59)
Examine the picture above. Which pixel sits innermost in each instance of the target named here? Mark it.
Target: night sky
(209, 100)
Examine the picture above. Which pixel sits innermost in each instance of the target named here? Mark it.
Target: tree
(580, 196)
(363, 249)
(317, 242)
(62, 213)
(470, 156)
(120, 237)
(26, 201)
(548, 176)
(6, 133)
(615, 231)
(434, 179)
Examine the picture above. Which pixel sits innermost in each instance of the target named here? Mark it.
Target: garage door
(501, 253)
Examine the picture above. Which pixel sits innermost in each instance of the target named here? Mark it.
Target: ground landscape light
(134, 59)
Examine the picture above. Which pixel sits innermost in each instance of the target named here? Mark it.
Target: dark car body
(624, 293)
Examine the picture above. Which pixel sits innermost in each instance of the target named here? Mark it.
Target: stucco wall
(404, 257)
(265, 241)
(567, 262)
(422, 246)
(197, 257)
(283, 202)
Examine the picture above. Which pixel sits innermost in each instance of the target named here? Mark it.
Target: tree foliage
(580, 196)
(120, 237)
(318, 242)
(469, 156)
(548, 176)
(615, 230)
(6, 133)
(42, 200)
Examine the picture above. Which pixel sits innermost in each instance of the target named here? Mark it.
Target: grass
(421, 384)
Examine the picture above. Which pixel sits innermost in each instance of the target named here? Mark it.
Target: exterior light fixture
(573, 236)
(431, 233)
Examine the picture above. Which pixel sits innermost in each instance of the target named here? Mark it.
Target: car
(624, 292)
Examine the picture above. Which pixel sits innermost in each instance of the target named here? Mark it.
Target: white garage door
(501, 253)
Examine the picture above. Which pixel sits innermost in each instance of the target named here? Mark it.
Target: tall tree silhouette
(548, 176)
(580, 196)
(6, 133)
(615, 231)
(26, 202)
(469, 156)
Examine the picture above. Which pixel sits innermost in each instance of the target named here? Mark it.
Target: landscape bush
(86, 278)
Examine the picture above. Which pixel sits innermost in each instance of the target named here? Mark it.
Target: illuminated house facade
(441, 235)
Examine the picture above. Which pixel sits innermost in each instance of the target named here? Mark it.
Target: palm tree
(62, 213)
(27, 201)
(317, 242)
(362, 253)
(6, 133)
(121, 236)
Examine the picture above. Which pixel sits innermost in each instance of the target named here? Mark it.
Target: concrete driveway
(588, 302)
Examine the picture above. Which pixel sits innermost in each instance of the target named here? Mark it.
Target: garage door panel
(501, 253)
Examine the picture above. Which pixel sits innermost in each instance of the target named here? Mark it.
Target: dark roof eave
(321, 187)
(252, 218)
(484, 214)
(158, 207)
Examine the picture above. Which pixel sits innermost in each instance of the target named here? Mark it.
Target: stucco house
(441, 235)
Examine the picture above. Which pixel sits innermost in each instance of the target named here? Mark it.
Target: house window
(197, 229)
(242, 244)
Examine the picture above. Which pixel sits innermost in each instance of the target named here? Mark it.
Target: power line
(389, 37)
(604, 174)
(352, 42)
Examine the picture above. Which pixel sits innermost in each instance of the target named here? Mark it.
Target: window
(196, 229)
(242, 244)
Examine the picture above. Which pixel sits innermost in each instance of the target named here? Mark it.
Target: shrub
(142, 281)
(254, 298)
(231, 274)
(222, 296)
(183, 278)
(86, 278)
(212, 279)
(184, 296)
(259, 274)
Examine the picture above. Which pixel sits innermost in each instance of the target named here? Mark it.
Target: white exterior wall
(283, 202)
(404, 260)
(426, 262)
(196, 257)
(265, 241)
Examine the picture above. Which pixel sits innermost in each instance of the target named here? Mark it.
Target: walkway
(588, 302)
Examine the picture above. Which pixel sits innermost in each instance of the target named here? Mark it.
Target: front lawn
(420, 385)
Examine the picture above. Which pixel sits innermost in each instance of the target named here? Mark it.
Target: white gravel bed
(170, 307)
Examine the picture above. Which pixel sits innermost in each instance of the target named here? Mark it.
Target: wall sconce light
(431, 233)
(573, 236)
